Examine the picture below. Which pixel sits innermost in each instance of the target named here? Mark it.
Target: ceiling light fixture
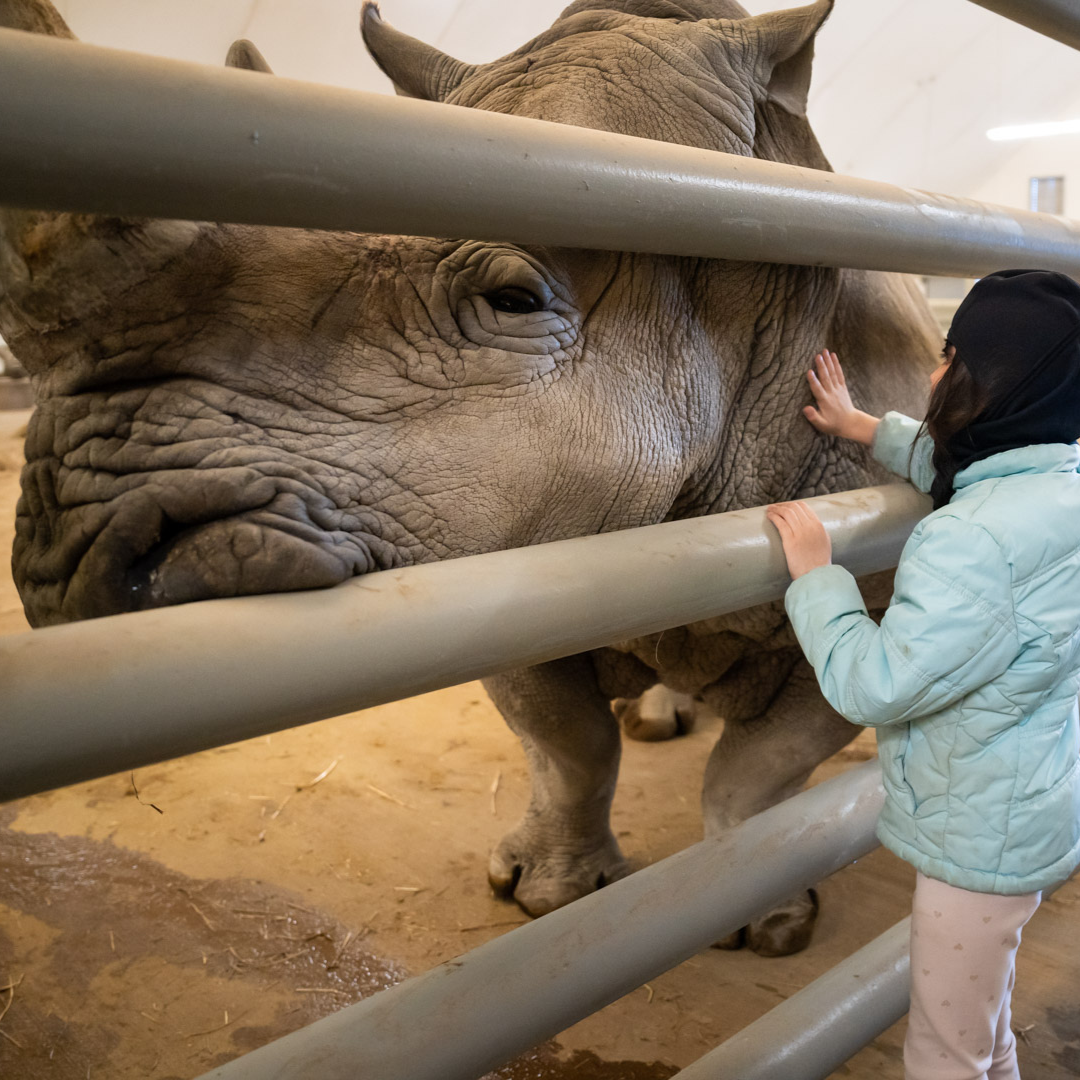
(1034, 131)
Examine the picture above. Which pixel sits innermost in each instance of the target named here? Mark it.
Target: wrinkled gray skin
(228, 410)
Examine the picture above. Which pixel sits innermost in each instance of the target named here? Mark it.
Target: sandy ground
(234, 898)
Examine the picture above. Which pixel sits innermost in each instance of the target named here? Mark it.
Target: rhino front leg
(760, 762)
(563, 848)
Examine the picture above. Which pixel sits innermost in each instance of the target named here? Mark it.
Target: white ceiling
(904, 90)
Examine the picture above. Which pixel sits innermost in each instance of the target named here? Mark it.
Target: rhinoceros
(226, 410)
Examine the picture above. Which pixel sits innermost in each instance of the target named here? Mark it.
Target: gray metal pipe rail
(89, 129)
(813, 1032)
(1059, 19)
(96, 697)
(473, 1013)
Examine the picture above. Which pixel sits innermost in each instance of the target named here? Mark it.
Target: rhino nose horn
(67, 279)
(52, 266)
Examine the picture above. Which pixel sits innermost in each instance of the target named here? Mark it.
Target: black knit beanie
(1018, 330)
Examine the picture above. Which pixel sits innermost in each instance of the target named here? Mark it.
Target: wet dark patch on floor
(136, 944)
(118, 967)
(1064, 1020)
(547, 1063)
(37, 1042)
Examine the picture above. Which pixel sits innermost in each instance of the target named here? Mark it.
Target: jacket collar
(1038, 458)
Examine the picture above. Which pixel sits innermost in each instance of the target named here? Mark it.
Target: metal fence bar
(91, 129)
(115, 693)
(1059, 19)
(470, 1015)
(815, 1031)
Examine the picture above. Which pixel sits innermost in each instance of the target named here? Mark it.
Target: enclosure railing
(477, 1011)
(157, 684)
(811, 1034)
(90, 129)
(1058, 19)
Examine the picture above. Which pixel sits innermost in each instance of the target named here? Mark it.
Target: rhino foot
(659, 714)
(734, 940)
(525, 869)
(785, 930)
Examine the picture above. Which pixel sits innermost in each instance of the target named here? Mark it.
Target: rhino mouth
(149, 559)
(110, 523)
(264, 556)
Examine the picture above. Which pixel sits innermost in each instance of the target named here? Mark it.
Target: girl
(972, 676)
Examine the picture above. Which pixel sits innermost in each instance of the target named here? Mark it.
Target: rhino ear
(416, 69)
(784, 42)
(243, 54)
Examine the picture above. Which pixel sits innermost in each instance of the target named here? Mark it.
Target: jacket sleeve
(892, 445)
(949, 628)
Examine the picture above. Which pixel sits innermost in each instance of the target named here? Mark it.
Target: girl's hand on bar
(835, 415)
(806, 543)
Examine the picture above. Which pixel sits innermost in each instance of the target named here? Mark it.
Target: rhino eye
(515, 301)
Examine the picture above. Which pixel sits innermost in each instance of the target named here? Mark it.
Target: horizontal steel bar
(1059, 19)
(815, 1031)
(91, 129)
(474, 1013)
(115, 693)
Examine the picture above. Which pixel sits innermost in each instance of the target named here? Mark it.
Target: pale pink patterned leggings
(963, 966)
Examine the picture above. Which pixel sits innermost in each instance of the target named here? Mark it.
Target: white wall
(1056, 156)
(315, 40)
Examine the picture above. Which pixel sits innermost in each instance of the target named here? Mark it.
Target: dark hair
(955, 403)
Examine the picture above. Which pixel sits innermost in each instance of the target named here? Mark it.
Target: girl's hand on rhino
(806, 543)
(835, 415)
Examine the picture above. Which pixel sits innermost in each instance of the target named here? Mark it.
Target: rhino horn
(35, 16)
(416, 69)
(243, 54)
(59, 268)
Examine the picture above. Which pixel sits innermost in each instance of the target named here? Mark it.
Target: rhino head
(228, 409)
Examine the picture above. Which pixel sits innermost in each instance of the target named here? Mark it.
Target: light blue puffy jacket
(972, 677)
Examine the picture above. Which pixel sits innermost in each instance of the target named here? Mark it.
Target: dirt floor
(246, 891)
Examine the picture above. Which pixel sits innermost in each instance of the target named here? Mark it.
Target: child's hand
(806, 543)
(835, 415)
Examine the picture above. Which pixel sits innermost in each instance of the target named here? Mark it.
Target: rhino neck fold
(759, 447)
